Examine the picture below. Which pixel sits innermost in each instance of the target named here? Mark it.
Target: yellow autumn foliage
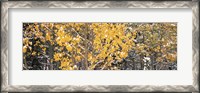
(99, 43)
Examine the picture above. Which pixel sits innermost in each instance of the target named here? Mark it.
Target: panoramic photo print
(99, 46)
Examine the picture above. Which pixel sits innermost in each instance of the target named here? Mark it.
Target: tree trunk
(51, 52)
(86, 48)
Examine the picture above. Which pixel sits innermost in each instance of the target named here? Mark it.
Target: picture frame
(6, 5)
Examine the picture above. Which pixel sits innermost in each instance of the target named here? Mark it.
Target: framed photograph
(99, 46)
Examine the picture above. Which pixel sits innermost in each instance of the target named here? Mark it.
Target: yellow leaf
(30, 43)
(123, 54)
(48, 37)
(33, 53)
(57, 56)
(24, 49)
(78, 58)
(69, 47)
(129, 35)
(44, 49)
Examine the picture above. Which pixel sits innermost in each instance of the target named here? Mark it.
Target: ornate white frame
(5, 87)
